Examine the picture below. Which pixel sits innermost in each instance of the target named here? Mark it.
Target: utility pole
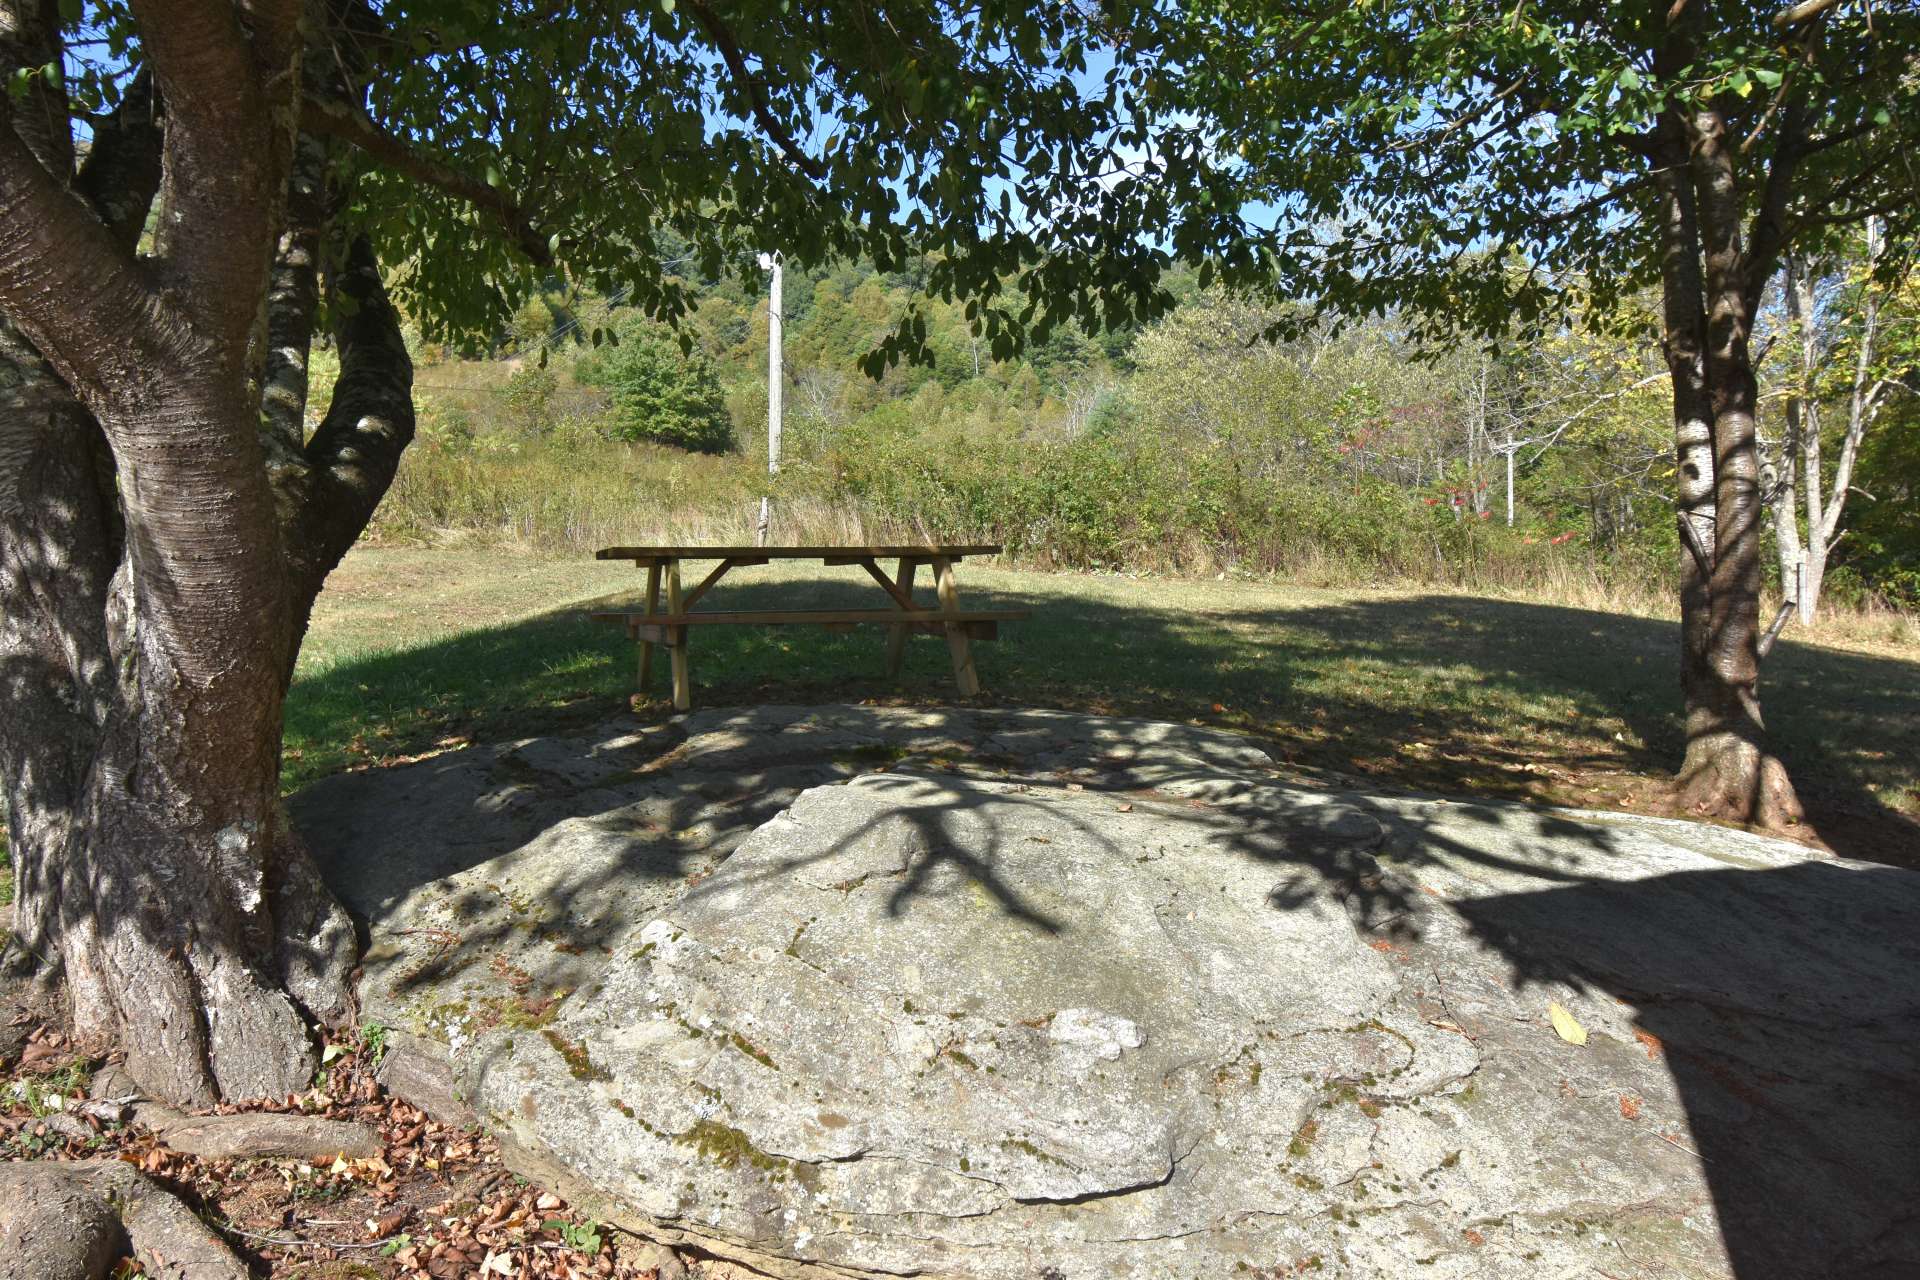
(1510, 450)
(775, 387)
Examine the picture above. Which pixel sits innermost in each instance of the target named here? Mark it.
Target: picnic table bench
(905, 616)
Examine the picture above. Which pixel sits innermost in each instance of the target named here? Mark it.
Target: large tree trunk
(1683, 340)
(154, 578)
(58, 549)
(1728, 770)
(141, 748)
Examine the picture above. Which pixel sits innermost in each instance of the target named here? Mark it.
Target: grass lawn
(413, 649)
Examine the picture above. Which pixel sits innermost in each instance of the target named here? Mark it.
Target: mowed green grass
(414, 650)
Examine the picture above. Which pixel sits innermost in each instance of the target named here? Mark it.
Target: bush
(530, 395)
(664, 395)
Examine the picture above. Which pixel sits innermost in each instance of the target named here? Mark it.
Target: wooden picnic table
(905, 615)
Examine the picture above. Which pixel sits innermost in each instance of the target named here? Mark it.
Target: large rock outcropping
(1060, 997)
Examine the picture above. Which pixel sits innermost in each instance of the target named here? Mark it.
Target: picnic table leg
(897, 634)
(677, 642)
(958, 647)
(646, 646)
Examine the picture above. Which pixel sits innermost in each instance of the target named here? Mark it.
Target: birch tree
(1840, 348)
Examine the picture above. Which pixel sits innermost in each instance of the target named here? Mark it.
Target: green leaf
(1629, 79)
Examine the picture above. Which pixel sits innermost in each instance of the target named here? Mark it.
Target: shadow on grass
(1436, 693)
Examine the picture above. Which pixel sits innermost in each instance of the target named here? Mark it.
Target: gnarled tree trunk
(155, 574)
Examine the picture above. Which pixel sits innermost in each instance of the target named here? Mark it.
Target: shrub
(530, 394)
(664, 395)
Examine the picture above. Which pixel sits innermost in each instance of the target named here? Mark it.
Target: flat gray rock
(1057, 996)
(500, 878)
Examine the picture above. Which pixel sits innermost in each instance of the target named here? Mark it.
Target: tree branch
(1795, 14)
(1690, 538)
(30, 38)
(1770, 232)
(227, 92)
(348, 123)
(352, 458)
(1425, 141)
(1765, 644)
(1594, 203)
(293, 293)
(70, 287)
(200, 56)
(756, 92)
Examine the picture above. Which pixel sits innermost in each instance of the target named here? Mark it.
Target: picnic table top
(949, 551)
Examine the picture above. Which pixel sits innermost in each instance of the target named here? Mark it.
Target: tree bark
(1799, 577)
(351, 460)
(1683, 340)
(148, 600)
(58, 551)
(1728, 770)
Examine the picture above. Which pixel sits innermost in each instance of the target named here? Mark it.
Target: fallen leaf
(1126, 808)
(1650, 1041)
(1565, 1025)
(386, 1226)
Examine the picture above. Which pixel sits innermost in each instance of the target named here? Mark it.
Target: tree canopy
(1479, 170)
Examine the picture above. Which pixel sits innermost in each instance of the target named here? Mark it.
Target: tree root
(73, 1221)
(1729, 778)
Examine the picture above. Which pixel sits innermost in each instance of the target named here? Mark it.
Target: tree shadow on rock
(1792, 1045)
(1780, 995)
